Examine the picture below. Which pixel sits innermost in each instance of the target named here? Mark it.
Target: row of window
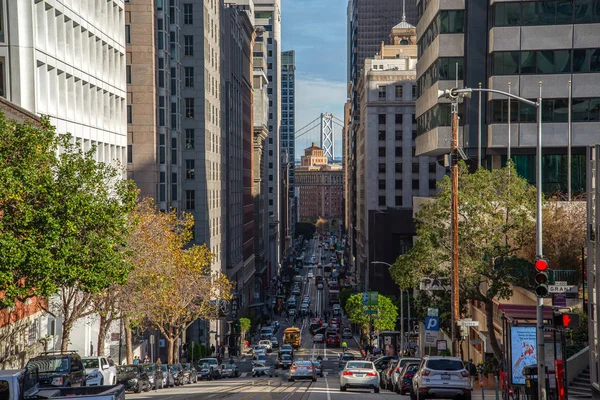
(398, 118)
(398, 92)
(545, 61)
(446, 21)
(553, 110)
(415, 184)
(547, 12)
(398, 135)
(382, 201)
(438, 115)
(443, 69)
(415, 168)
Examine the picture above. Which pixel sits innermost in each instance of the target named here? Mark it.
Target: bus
(327, 270)
(292, 337)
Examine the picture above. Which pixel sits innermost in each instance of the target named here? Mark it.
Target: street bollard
(496, 387)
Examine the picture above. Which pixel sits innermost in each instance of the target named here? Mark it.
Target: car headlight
(57, 381)
(93, 376)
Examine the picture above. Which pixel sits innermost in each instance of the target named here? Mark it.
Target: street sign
(432, 324)
(365, 299)
(464, 322)
(374, 299)
(431, 337)
(369, 311)
(433, 312)
(563, 288)
(234, 307)
(434, 284)
(442, 345)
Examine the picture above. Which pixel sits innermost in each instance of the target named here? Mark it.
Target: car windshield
(348, 356)
(204, 366)
(163, 368)
(126, 369)
(90, 362)
(149, 367)
(412, 368)
(359, 364)
(286, 357)
(445, 365)
(208, 361)
(48, 364)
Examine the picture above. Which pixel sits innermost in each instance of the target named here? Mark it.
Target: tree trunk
(171, 350)
(128, 341)
(102, 331)
(66, 331)
(489, 316)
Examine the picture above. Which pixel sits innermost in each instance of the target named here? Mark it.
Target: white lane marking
(327, 385)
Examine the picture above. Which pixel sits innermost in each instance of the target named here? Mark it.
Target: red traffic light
(566, 320)
(541, 264)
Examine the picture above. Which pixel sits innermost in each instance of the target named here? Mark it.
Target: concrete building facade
(320, 186)
(66, 60)
(521, 43)
(288, 126)
(388, 173)
(593, 264)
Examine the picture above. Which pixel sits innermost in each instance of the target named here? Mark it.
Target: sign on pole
(365, 299)
(563, 288)
(433, 312)
(464, 322)
(432, 324)
(373, 299)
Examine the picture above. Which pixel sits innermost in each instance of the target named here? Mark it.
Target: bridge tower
(327, 135)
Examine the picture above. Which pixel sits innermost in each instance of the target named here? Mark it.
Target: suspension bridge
(323, 127)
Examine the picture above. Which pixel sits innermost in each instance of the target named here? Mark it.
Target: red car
(333, 340)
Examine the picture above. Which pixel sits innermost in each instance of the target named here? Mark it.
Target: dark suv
(59, 369)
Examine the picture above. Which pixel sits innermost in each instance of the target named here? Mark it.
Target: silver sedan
(303, 370)
(359, 374)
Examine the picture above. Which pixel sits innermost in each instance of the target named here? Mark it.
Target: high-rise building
(516, 43)
(268, 17)
(288, 126)
(66, 60)
(238, 34)
(593, 265)
(388, 173)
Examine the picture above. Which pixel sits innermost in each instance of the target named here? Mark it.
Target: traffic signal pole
(455, 287)
(541, 353)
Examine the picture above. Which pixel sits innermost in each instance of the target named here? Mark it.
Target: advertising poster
(523, 351)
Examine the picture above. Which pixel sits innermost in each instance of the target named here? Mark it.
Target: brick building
(320, 186)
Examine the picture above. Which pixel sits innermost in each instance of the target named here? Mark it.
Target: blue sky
(316, 30)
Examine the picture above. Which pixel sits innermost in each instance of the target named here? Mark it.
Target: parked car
(359, 374)
(386, 375)
(98, 372)
(208, 371)
(230, 370)
(190, 373)
(178, 375)
(402, 361)
(155, 375)
(168, 379)
(333, 341)
(284, 362)
(344, 358)
(56, 369)
(274, 343)
(383, 361)
(302, 370)
(403, 382)
(133, 377)
(347, 333)
(441, 377)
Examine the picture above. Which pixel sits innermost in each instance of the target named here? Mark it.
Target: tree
(344, 296)
(174, 283)
(63, 224)
(322, 225)
(496, 214)
(245, 325)
(385, 320)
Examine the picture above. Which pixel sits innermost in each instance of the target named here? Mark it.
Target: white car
(319, 286)
(267, 343)
(98, 371)
(359, 374)
(310, 275)
(444, 377)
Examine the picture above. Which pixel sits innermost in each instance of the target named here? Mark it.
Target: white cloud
(313, 97)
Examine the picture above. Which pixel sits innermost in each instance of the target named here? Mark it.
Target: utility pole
(455, 289)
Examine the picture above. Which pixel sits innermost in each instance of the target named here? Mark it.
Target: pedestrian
(222, 349)
(146, 359)
(212, 349)
(344, 346)
(110, 361)
(136, 360)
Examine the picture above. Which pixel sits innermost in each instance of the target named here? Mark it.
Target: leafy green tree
(385, 320)
(344, 296)
(64, 221)
(496, 213)
(245, 325)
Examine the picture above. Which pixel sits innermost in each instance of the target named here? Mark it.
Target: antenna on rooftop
(403, 11)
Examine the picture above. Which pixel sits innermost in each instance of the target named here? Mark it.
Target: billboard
(522, 351)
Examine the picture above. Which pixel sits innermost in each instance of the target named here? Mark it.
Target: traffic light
(567, 320)
(541, 277)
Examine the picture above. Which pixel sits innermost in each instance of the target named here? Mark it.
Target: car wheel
(101, 382)
(138, 388)
(314, 379)
(342, 388)
(291, 380)
(147, 388)
(375, 389)
(413, 396)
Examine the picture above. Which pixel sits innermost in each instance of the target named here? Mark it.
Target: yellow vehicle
(291, 336)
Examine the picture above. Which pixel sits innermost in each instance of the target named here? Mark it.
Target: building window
(399, 91)
(190, 138)
(189, 107)
(382, 92)
(129, 114)
(128, 34)
(129, 153)
(415, 168)
(190, 169)
(398, 151)
(188, 11)
(398, 184)
(432, 168)
(382, 184)
(128, 74)
(381, 168)
(188, 76)
(432, 184)
(190, 199)
(381, 135)
(398, 135)
(398, 168)
(188, 45)
(382, 200)
(398, 201)
(415, 184)
(414, 92)
(382, 152)
(381, 119)
(398, 119)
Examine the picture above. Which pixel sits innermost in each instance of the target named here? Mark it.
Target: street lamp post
(401, 307)
(454, 94)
